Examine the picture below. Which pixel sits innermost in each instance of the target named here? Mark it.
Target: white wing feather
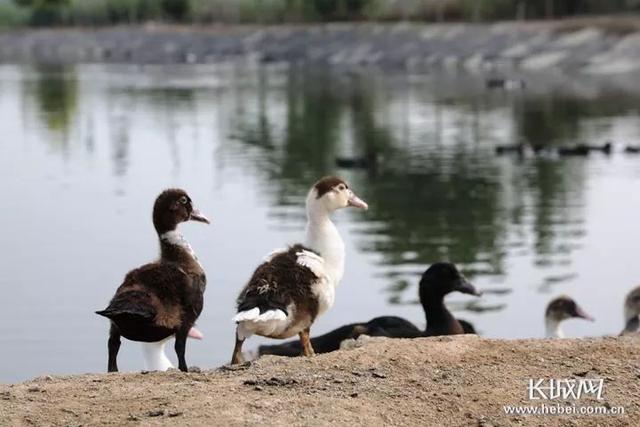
(312, 261)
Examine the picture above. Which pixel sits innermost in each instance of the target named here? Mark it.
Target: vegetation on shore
(112, 12)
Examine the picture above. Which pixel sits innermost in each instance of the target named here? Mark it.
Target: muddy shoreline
(456, 381)
(593, 47)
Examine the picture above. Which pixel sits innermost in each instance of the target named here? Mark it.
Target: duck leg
(237, 357)
(305, 340)
(114, 346)
(180, 347)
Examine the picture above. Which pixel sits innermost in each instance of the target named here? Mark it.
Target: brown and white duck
(632, 312)
(293, 286)
(439, 280)
(558, 310)
(162, 299)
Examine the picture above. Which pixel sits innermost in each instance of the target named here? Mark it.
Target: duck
(632, 312)
(560, 309)
(584, 149)
(370, 161)
(576, 150)
(437, 281)
(384, 326)
(520, 149)
(295, 285)
(164, 298)
(632, 149)
(504, 83)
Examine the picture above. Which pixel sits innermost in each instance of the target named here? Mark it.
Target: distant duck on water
(558, 310)
(505, 83)
(632, 312)
(632, 149)
(584, 149)
(162, 299)
(293, 286)
(438, 280)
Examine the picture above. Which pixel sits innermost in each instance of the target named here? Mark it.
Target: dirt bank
(448, 381)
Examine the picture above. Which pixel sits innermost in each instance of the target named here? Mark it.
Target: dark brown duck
(163, 298)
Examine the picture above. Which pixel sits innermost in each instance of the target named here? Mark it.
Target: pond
(86, 149)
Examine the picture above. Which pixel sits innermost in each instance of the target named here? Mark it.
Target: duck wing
(284, 278)
(154, 293)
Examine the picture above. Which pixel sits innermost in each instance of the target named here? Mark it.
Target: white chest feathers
(324, 287)
(176, 239)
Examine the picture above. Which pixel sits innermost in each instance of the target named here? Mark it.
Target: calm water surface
(84, 151)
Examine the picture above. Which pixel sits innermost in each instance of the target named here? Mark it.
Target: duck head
(330, 194)
(632, 311)
(559, 309)
(172, 207)
(441, 279)
(563, 308)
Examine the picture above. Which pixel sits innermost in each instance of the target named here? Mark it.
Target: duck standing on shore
(295, 285)
(632, 312)
(558, 310)
(163, 298)
(437, 281)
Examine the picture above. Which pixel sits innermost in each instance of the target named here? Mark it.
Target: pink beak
(196, 215)
(357, 202)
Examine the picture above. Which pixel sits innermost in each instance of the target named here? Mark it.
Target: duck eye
(183, 200)
(341, 187)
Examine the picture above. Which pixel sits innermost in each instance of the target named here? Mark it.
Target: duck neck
(323, 237)
(553, 329)
(155, 358)
(175, 248)
(436, 312)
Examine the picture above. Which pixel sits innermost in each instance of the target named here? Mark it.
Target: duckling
(559, 309)
(437, 281)
(163, 298)
(632, 312)
(288, 291)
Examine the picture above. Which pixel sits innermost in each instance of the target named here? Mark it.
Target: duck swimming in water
(293, 286)
(438, 280)
(162, 299)
(558, 310)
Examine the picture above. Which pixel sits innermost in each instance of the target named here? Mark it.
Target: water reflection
(55, 92)
(521, 227)
(439, 197)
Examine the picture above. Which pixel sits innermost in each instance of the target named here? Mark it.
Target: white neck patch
(175, 238)
(553, 328)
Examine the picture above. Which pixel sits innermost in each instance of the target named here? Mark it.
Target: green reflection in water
(55, 91)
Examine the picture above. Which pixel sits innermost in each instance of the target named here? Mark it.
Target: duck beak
(196, 215)
(357, 202)
(582, 314)
(465, 286)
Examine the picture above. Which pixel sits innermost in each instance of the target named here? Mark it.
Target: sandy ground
(445, 381)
